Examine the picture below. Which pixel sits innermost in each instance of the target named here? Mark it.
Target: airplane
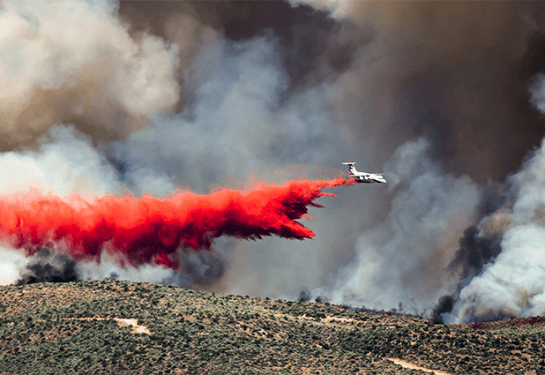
(364, 177)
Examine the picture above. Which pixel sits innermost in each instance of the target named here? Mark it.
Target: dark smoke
(445, 305)
(304, 295)
(475, 251)
(493, 197)
(206, 268)
(474, 254)
(445, 71)
(457, 108)
(316, 47)
(313, 46)
(47, 265)
(203, 269)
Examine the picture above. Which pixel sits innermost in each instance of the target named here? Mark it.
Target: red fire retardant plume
(149, 230)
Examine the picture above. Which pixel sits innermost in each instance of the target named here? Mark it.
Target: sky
(150, 98)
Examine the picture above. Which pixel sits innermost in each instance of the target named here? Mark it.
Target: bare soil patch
(415, 367)
(134, 323)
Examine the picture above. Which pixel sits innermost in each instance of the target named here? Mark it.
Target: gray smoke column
(239, 121)
(403, 258)
(512, 285)
(441, 69)
(245, 122)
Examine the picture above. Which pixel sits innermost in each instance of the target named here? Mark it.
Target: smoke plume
(47, 266)
(403, 258)
(511, 286)
(464, 85)
(150, 98)
(74, 62)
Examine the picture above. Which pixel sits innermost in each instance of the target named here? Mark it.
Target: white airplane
(364, 177)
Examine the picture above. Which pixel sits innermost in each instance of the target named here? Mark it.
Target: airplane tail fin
(351, 166)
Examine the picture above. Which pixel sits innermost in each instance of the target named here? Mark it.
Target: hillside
(108, 326)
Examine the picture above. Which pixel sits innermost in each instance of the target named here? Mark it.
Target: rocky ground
(108, 326)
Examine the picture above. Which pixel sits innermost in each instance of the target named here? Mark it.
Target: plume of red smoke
(150, 230)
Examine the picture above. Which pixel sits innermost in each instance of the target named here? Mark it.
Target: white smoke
(538, 92)
(403, 259)
(64, 163)
(233, 87)
(512, 285)
(10, 263)
(73, 61)
(109, 268)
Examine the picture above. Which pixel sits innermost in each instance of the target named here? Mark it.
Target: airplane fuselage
(364, 177)
(367, 178)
